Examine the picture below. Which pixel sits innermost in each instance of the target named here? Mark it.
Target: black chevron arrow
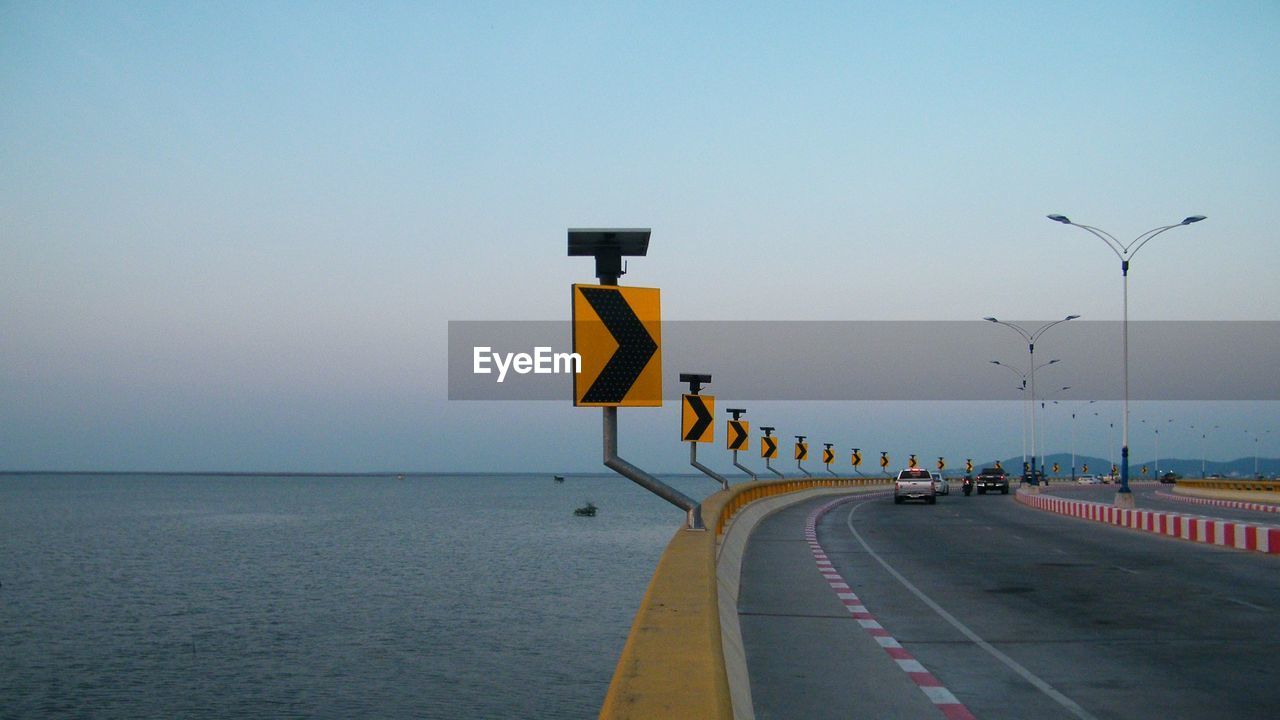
(770, 446)
(635, 346)
(738, 438)
(704, 418)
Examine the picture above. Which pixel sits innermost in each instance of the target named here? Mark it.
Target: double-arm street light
(1023, 388)
(1031, 338)
(1125, 252)
(1204, 446)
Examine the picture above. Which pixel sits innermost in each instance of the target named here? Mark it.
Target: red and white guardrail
(1212, 531)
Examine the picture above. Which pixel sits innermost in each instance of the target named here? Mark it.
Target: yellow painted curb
(673, 665)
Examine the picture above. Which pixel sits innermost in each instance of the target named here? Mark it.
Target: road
(1019, 613)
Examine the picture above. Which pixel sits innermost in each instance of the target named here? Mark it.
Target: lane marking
(932, 688)
(1071, 706)
(1247, 604)
(1125, 569)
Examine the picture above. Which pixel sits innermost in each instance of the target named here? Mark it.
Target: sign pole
(768, 433)
(801, 450)
(695, 385)
(608, 247)
(737, 414)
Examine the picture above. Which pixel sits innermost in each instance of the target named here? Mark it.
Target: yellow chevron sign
(856, 458)
(802, 450)
(827, 456)
(697, 418)
(942, 465)
(738, 435)
(911, 462)
(768, 447)
(968, 466)
(617, 332)
(1055, 468)
(884, 459)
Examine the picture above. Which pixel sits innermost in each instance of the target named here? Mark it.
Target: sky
(232, 235)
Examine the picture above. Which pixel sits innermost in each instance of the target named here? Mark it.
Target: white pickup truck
(915, 484)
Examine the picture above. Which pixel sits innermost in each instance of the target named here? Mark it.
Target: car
(992, 479)
(1170, 477)
(944, 487)
(1088, 480)
(915, 484)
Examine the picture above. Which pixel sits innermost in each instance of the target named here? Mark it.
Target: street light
(1023, 376)
(1204, 446)
(1157, 431)
(1031, 338)
(1043, 398)
(1073, 441)
(1124, 496)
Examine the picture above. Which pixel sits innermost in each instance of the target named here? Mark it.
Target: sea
(436, 596)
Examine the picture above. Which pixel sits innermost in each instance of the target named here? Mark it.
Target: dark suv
(992, 479)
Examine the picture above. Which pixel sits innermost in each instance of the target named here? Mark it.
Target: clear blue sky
(231, 235)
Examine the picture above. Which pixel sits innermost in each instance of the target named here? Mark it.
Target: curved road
(1018, 612)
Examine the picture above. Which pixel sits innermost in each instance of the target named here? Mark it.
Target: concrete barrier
(684, 656)
(1212, 531)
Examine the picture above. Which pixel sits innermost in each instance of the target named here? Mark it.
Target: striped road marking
(932, 687)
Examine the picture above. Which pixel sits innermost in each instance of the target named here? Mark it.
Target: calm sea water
(268, 597)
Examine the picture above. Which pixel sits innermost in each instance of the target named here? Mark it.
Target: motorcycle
(967, 486)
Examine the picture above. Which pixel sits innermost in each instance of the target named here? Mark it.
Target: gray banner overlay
(903, 360)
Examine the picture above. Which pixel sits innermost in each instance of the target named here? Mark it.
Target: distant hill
(1238, 468)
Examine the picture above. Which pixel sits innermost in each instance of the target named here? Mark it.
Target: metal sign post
(769, 449)
(802, 452)
(703, 429)
(738, 437)
(608, 248)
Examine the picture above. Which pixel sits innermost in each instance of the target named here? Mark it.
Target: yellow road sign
(802, 450)
(738, 435)
(1055, 468)
(968, 466)
(884, 459)
(1144, 469)
(827, 456)
(911, 462)
(697, 418)
(1085, 469)
(617, 332)
(768, 447)
(856, 458)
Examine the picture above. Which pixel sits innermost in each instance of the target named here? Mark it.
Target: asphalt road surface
(1018, 612)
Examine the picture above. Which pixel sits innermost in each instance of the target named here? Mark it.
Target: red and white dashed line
(1216, 502)
(925, 680)
(933, 688)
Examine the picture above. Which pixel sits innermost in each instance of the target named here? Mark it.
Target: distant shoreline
(218, 473)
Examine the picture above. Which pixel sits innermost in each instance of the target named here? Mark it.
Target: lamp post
(1073, 441)
(1041, 443)
(1204, 447)
(1031, 338)
(1124, 496)
(1023, 388)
